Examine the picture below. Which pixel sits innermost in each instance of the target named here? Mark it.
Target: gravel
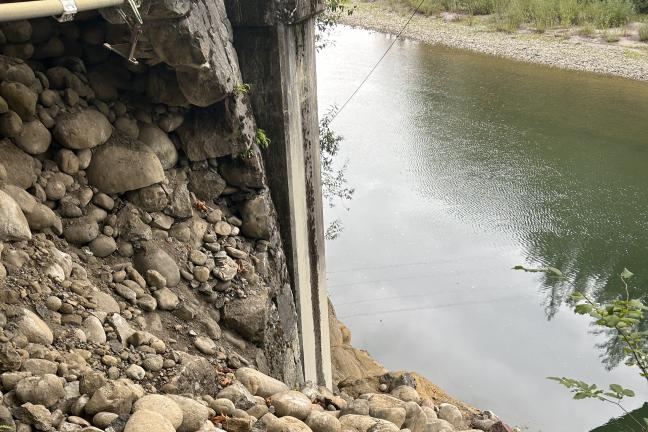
(574, 53)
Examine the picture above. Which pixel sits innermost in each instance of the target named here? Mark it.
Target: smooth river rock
(13, 224)
(82, 130)
(121, 168)
(259, 384)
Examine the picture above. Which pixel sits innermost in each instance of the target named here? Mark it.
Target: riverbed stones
(166, 299)
(359, 423)
(44, 390)
(152, 257)
(10, 124)
(39, 216)
(450, 413)
(323, 422)
(205, 345)
(248, 316)
(22, 169)
(33, 328)
(162, 405)
(147, 421)
(439, 425)
(93, 329)
(157, 141)
(258, 383)
(291, 403)
(103, 246)
(34, 138)
(120, 168)
(114, 396)
(194, 414)
(256, 218)
(82, 130)
(13, 224)
(20, 99)
(80, 230)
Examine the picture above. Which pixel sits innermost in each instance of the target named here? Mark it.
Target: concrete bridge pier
(275, 41)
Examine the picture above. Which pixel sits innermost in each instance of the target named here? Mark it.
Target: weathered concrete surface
(279, 63)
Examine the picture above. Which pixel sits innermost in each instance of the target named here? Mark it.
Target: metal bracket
(128, 50)
(69, 10)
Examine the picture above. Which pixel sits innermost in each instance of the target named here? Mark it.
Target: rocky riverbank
(628, 60)
(143, 283)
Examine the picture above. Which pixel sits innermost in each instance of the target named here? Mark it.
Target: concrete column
(277, 58)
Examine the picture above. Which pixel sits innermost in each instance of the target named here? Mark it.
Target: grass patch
(643, 33)
(611, 36)
(509, 15)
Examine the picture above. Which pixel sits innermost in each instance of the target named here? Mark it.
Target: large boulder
(152, 257)
(148, 421)
(13, 224)
(20, 98)
(44, 390)
(34, 328)
(39, 216)
(22, 169)
(194, 414)
(114, 396)
(157, 141)
(34, 138)
(360, 423)
(256, 216)
(291, 403)
(259, 384)
(119, 166)
(82, 130)
(162, 405)
(248, 316)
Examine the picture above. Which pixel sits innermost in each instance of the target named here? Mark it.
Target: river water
(465, 166)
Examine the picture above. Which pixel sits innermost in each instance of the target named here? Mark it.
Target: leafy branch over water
(621, 316)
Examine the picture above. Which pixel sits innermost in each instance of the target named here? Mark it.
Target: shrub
(643, 33)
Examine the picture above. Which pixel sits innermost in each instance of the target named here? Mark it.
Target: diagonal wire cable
(366, 78)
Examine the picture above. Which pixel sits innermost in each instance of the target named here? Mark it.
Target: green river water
(464, 166)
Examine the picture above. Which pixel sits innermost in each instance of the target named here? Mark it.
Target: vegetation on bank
(510, 15)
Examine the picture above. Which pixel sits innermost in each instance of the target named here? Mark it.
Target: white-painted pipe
(44, 8)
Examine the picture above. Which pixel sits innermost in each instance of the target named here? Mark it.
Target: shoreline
(575, 53)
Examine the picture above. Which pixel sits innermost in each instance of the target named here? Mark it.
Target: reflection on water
(465, 166)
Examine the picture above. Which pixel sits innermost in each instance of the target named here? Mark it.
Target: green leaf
(626, 274)
(576, 296)
(628, 392)
(580, 395)
(616, 388)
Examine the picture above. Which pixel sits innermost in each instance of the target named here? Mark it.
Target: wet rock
(20, 99)
(157, 141)
(162, 405)
(291, 403)
(151, 257)
(117, 169)
(147, 421)
(259, 384)
(44, 390)
(13, 224)
(34, 138)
